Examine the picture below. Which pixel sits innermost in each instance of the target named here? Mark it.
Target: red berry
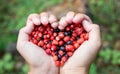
(54, 34)
(35, 41)
(69, 48)
(61, 52)
(61, 43)
(39, 34)
(64, 59)
(79, 31)
(53, 47)
(41, 43)
(57, 38)
(52, 38)
(86, 36)
(55, 42)
(55, 57)
(67, 28)
(48, 51)
(61, 63)
(57, 63)
(66, 38)
(52, 53)
(61, 35)
(76, 45)
(80, 41)
(69, 54)
(48, 46)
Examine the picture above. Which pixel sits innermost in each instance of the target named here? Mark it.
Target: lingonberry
(55, 57)
(80, 41)
(59, 44)
(53, 47)
(66, 38)
(61, 35)
(48, 51)
(69, 54)
(57, 63)
(61, 52)
(69, 48)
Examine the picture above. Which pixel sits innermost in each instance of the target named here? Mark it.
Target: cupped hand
(82, 58)
(39, 62)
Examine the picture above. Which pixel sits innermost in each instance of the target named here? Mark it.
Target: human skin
(41, 63)
(82, 58)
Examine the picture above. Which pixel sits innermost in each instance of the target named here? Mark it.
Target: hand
(82, 58)
(39, 62)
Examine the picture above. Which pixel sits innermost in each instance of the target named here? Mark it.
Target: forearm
(74, 71)
(37, 71)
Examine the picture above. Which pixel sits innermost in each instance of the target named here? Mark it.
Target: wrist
(37, 70)
(74, 71)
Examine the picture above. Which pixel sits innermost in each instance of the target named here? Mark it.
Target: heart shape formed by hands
(59, 44)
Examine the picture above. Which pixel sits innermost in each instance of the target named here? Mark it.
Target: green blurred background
(106, 13)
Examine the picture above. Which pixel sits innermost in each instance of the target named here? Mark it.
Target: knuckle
(96, 26)
(33, 14)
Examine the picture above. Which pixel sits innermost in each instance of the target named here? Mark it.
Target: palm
(37, 55)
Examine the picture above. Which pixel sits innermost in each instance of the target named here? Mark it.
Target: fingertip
(86, 25)
(61, 27)
(69, 17)
(63, 22)
(52, 18)
(44, 18)
(36, 21)
(54, 25)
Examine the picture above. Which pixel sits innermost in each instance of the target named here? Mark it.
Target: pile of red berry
(59, 44)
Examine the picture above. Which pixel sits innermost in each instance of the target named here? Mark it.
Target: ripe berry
(61, 42)
(57, 63)
(55, 57)
(61, 35)
(48, 51)
(53, 47)
(86, 36)
(80, 41)
(76, 45)
(69, 54)
(55, 42)
(61, 63)
(66, 38)
(39, 34)
(41, 43)
(57, 38)
(64, 58)
(69, 48)
(61, 52)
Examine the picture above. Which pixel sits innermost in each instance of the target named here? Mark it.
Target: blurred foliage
(105, 12)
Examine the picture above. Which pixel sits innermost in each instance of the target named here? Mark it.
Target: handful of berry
(59, 44)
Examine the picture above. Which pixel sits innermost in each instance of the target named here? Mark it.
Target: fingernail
(85, 22)
(37, 21)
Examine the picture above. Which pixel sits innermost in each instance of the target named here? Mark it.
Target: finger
(35, 18)
(63, 23)
(52, 18)
(80, 17)
(93, 30)
(25, 31)
(54, 25)
(44, 18)
(69, 17)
